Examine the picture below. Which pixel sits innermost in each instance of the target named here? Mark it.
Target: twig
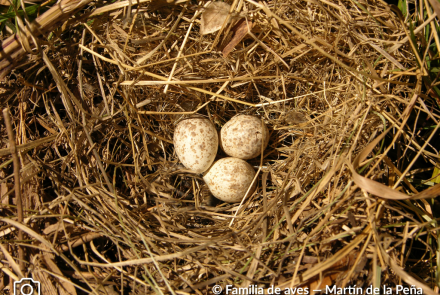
(17, 189)
(79, 241)
(12, 51)
(181, 50)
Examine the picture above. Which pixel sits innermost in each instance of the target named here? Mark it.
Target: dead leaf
(338, 270)
(410, 280)
(47, 286)
(240, 29)
(3, 190)
(318, 284)
(429, 193)
(64, 287)
(56, 227)
(108, 290)
(379, 189)
(376, 188)
(436, 6)
(11, 262)
(213, 17)
(294, 117)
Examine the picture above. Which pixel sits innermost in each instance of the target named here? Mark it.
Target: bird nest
(108, 207)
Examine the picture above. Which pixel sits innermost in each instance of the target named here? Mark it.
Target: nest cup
(326, 78)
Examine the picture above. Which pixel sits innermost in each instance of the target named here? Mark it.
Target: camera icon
(27, 286)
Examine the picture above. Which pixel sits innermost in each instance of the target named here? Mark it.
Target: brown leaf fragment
(294, 117)
(47, 285)
(240, 30)
(107, 290)
(56, 227)
(436, 6)
(28, 145)
(321, 284)
(64, 287)
(4, 190)
(429, 193)
(376, 188)
(330, 277)
(213, 17)
(78, 241)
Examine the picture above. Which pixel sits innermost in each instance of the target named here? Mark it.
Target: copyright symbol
(217, 289)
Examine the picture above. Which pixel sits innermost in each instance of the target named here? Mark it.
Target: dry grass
(109, 209)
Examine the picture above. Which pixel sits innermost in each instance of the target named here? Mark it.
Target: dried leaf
(213, 17)
(294, 117)
(429, 193)
(436, 6)
(11, 262)
(29, 145)
(405, 276)
(240, 29)
(64, 288)
(47, 284)
(29, 231)
(319, 284)
(381, 190)
(3, 190)
(376, 188)
(54, 227)
(338, 261)
(108, 290)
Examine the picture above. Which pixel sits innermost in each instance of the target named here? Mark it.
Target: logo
(217, 289)
(26, 286)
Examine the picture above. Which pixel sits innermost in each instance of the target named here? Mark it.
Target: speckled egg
(242, 137)
(229, 179)
(196, 143)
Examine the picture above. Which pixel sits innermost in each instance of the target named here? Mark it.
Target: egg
(229, 178)
(196, 143)
(242, 137)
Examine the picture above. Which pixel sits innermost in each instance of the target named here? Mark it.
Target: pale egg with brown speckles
(229, 178)
(196, 143)
(242, 137)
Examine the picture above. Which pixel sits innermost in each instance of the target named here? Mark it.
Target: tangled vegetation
(346, 187)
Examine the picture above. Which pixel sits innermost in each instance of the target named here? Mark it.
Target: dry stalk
(341, 188)
(17, 186)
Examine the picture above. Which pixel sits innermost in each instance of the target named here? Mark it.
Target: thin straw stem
(17, 189)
